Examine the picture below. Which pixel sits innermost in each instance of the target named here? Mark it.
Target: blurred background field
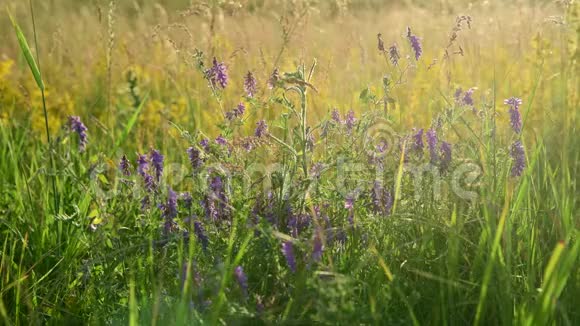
(510, 257)
(155, 43)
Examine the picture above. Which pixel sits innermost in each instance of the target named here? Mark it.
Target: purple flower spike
(317, 246)
(349, 203)
(169, 210)
(142, 164)
(394, 55)
(237, 112)
(217, 74)
(77, 126)
(432, 142)
(204, 143)
(194, 157)
(350, 120)
(274, 77)
(457, 95)
(261, 129)
(250, 84)
(418, 142)
(445, 156)
(200, 234)
(380, 44)
(242, 280)
(125, 166)
(468, 96)
(515, 117)
(415, 44)
(157, 162)
(288, 251)
(335, 116)
(519, 158)
(187, 199)
(220, 140)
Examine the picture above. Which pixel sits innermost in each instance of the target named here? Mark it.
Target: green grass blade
(27, 53)
(130, 124)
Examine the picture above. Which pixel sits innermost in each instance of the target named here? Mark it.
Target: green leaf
(27, 53)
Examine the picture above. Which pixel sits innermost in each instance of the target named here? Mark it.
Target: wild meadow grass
(289, 162)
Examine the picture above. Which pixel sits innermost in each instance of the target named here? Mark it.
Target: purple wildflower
(394, 55)
(125, 166)
(519, 158)
(261, 129)
(142, 164)
(335, 116)
(145, 202)
(220, 140)
(77, 126)
(432, 142)
(274, 77)
(250, 84)
(217, 74)
(415, 44)
(194, 157)
(317, 246)
(288, 252)
(149, 182)
(199, 231)
(350, 120)
(236, 112)
(445, 157)
(418, 142)
(170, 207)
(468, 96)
(204, 143)
(382, 199)
(187, 199)
(242, 280)
(157, 162)
(457, 95)
(169, 210)
(515, 117)
(381, 44)
(349, 202)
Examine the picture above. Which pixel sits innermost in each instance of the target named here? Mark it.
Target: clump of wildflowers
(77, 126)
